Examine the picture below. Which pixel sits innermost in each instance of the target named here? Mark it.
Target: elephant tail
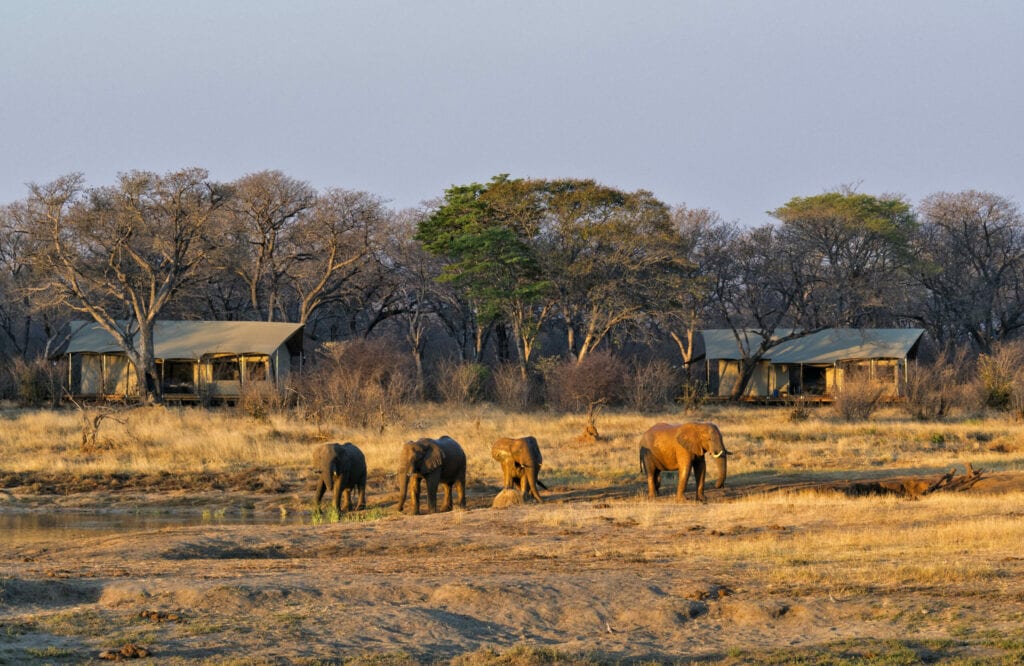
(541, 485)
(643, 462)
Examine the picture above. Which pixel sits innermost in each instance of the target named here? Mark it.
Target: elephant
(342, 468)
(666, 447)
(520, 460)
(438, 461)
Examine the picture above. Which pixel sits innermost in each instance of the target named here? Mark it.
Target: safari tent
(196, 361)
(813, 365)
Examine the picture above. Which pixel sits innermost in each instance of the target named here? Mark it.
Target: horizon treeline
(512, 274)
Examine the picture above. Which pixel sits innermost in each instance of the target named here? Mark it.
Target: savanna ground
(814, 552)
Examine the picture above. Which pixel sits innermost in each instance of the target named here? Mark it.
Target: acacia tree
(970, 251)
(614, 257)
(836, 260)
(485, 232)
(852, 251)
(120, 254)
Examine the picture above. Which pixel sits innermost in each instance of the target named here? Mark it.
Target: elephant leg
(446, 505)
(684, 478)
(346, 504)
(532, 479)
(416, 495)
(460, 485)
(432, 484)
(321, 488)
(700, 469)
(647, 462)
(362, 498)
(337, 493)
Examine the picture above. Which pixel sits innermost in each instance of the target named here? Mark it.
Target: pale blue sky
(735, 106)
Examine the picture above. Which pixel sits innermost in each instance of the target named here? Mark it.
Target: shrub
(32, 383)
(650, 385)
(693, 393)
(575, 386)
(934, 389)
(511, 389)
(258, 400)
(360, 382)
(461, 383)
(859, 395)
(1001, 374)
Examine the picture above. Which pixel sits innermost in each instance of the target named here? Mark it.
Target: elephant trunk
(721, 464)
(403, 488)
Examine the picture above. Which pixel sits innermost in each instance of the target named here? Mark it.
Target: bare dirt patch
(593, 575)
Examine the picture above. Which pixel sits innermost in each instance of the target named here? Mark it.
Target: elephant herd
(442, 462)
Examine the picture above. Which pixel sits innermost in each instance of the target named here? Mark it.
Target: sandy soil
(575, 579)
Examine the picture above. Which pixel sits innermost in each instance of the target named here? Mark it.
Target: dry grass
(768, 571)
(823, 543)
(762, 441)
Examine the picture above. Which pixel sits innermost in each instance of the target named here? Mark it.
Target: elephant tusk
(719, 454)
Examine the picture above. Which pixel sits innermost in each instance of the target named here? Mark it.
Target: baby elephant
(342, 468)
(520, 463)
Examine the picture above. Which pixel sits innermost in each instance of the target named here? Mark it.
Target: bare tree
(265, 209)
(120, 254)
(702, 231)
(970, 253)
(327, 249)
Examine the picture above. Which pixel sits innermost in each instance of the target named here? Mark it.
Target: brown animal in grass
(521, 461)
(668, 447)
(342, 468)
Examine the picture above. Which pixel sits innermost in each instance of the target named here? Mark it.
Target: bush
(1001, 374)
(859, 395)
(693, 393)
(933, 390)
(32, 383)
(511, 389)
(575, 386)
(258, 400)
(650, 385)
(461, 383)
(360, 382)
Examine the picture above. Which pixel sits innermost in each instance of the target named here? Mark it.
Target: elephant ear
(431, 458)
(499, 450)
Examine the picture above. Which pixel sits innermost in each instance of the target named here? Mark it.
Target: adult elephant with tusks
(436, 461)
(666, 447)
(342, 468)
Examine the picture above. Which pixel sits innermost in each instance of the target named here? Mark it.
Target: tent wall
(97, 375)
(729, 376)
(216, 377)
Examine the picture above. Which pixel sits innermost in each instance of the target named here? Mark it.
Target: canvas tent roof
(828, 346)
(720, 343)
(190, 339)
